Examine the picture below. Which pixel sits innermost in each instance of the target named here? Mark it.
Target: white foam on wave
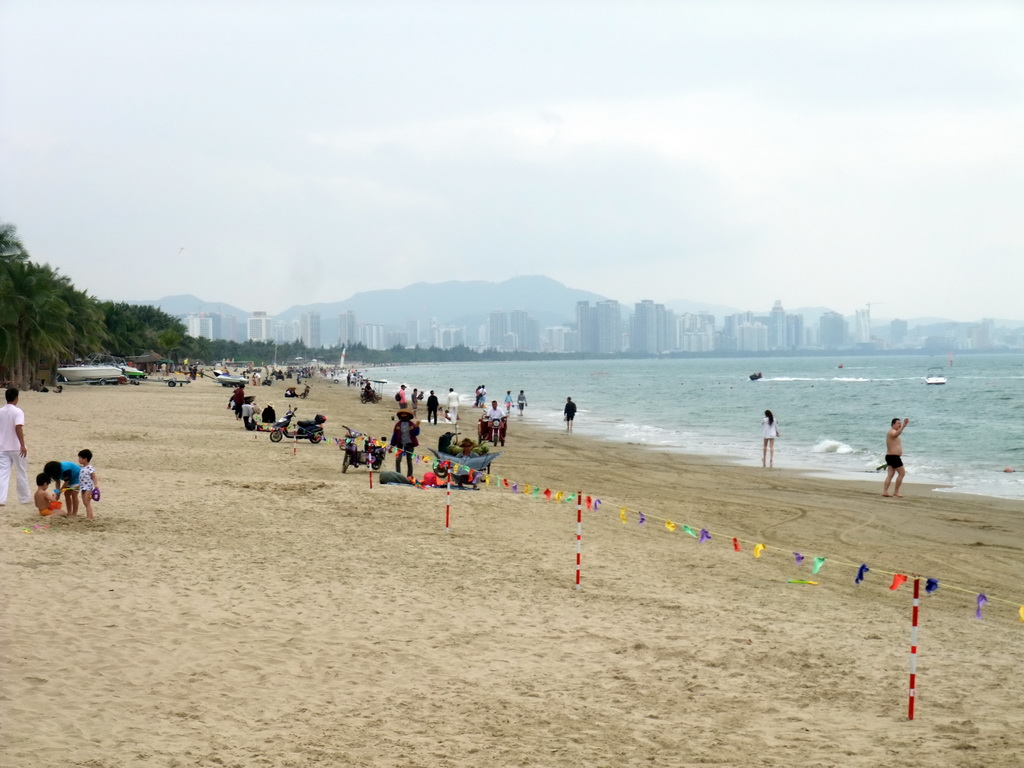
(831, 446)
(849, 378)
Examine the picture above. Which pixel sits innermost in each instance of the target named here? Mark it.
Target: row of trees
(45, 320)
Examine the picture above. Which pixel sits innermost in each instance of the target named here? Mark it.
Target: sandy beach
(240, 603)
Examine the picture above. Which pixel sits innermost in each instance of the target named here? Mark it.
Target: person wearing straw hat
(461, 473)
(403, 438)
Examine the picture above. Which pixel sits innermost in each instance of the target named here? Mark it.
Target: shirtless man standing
(893, 454)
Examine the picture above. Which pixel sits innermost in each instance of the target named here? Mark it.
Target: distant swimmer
(894, 457)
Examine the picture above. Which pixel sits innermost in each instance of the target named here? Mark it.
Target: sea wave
(831, 446)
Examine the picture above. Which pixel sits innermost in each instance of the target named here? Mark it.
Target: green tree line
(46, 321)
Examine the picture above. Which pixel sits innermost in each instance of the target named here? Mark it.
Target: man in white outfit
(12, 448)
(453, 404)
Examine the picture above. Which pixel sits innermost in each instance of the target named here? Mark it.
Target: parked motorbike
(371, 453)
(308, 429)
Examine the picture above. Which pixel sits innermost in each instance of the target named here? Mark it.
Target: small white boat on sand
(90, 371)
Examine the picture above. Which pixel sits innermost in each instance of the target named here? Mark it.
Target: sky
(267, 154)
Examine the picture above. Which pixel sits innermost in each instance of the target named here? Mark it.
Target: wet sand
(238, 605)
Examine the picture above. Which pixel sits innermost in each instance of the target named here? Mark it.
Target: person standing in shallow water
(770, 430)
(570, 413)
(894, 457)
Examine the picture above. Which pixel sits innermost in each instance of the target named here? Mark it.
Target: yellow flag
(670, 525)
(1022, 613)
(527, 489)
(758, 549)
(622, 517)
(558, 496)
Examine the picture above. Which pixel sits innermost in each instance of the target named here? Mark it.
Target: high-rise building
(862, 326)
(200, 326)
(795, 335)
(309, 330)
(646, 337)
(752, 337)
(832, 331)
(608, 327)
(372, 336)
(348, 328)
(777, 327)
(448, 337)
(586, 327)
(526, 329)
(497, 327)
(260, 327)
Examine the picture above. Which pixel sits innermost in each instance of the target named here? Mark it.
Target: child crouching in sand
(46, 500)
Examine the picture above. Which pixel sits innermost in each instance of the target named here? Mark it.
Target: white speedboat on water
(934, 376)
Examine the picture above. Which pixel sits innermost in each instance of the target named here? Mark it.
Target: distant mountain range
(467, 303)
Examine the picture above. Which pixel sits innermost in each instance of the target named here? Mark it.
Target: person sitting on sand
(47, 501)
(461, 473)
(290, 392)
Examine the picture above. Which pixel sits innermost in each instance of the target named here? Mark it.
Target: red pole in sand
(579, 534)
(913, 649)
(448, 502)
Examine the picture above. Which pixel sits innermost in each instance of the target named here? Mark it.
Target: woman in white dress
(770, 430)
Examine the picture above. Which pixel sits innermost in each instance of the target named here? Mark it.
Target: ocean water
(961, 434)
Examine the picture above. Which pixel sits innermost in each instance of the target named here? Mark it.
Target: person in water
(769, 430)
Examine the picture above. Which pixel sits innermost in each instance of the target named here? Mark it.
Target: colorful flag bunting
(622, 515)
(981, 601)
(818, 563)
(642, 519)
(758, 549)
(670, 525)
(897, 580)
(799, 557)
(589, 502)
(1021, 613)
(689, 530)
(597, 503)
(736, 544)
(547, 494)
(861, 572)
(558, 496)
(515, 487)
(704, 535)
(931, 585)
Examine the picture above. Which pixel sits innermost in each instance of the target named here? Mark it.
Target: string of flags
(703, 535)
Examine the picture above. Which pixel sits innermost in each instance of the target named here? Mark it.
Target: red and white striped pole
(579, 534)
(913, 648)
(448, 502)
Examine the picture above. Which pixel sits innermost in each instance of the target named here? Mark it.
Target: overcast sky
(820, 153)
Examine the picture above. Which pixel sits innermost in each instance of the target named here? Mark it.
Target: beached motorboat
(934, 376)
(226, 379)
(84, 373)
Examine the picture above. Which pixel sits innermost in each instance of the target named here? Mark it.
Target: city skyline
(609, 328)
